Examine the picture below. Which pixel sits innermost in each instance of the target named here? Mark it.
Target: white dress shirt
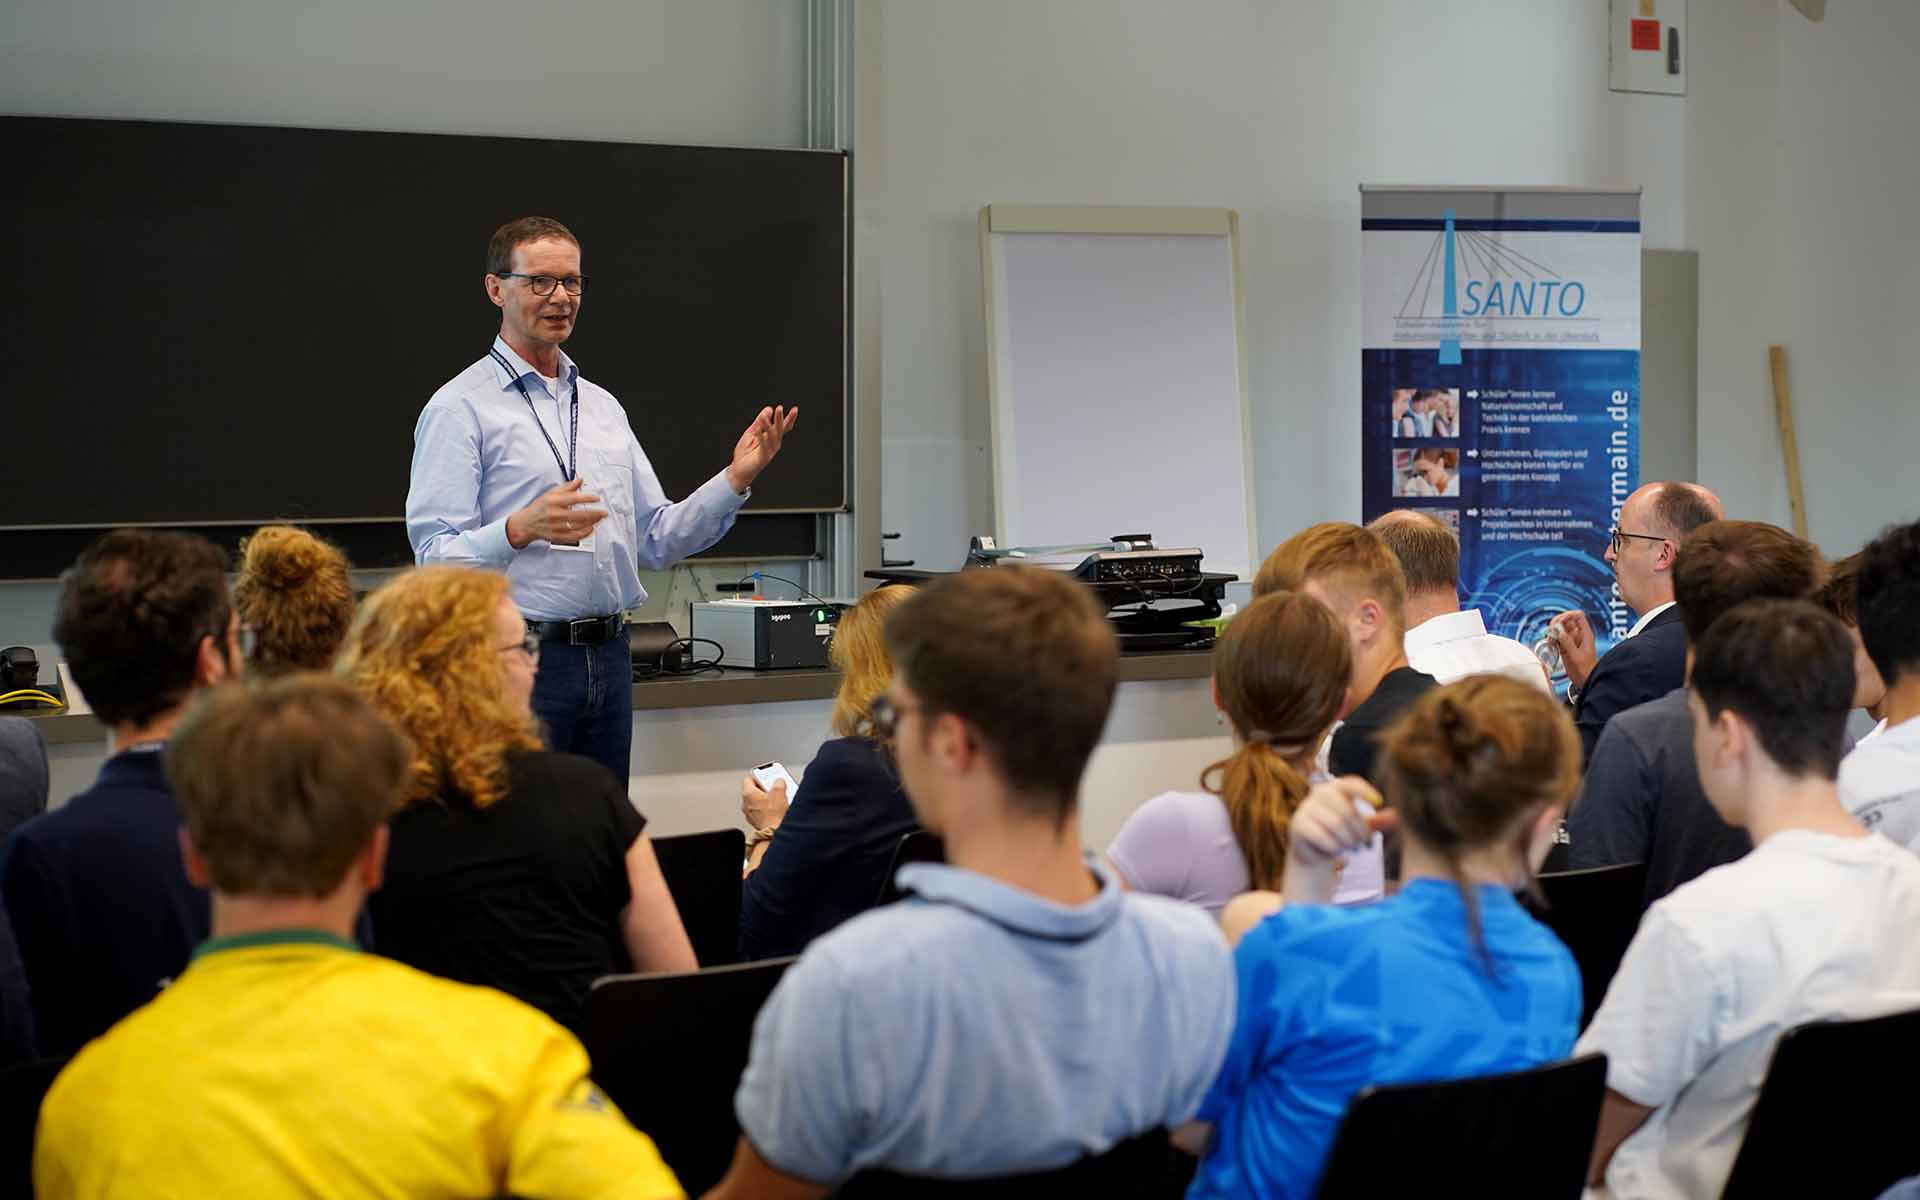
(1455, 645)
(1647, 616)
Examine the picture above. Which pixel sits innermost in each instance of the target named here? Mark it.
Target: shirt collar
(1647, 617)
(1020, 911)
(274, 937)
(568, 371)
(142, 767)
(1447, 627)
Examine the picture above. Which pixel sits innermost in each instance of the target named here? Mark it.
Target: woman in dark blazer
(822, 858)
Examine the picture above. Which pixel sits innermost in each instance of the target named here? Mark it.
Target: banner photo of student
(1500, 386)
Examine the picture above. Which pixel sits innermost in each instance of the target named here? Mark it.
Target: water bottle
(1549, 656)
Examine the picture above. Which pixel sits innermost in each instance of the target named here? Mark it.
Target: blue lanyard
(573, 437)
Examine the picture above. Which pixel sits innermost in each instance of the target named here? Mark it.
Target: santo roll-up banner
(1500, 386)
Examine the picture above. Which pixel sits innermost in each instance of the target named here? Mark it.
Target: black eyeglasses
(529, 642)
(543, 285)
(885, 716)
(1620, 537)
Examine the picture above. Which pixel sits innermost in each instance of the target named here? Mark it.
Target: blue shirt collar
(568, 371)
(1016, 910)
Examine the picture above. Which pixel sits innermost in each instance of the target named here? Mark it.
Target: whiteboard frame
(1118, 220)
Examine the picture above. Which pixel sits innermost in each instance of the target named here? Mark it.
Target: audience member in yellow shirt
(284, 1062)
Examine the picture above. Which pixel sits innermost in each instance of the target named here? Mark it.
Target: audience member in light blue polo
(1020, 1010)
(971, 1030)
(1449, 978)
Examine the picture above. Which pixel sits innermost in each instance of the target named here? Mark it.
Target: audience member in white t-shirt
(1280, 676)
(1442, 640)
(1815, 924)
(1880, 779)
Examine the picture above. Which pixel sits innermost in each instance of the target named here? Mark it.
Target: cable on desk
(32, 695)
(756, 576)
(700, 666)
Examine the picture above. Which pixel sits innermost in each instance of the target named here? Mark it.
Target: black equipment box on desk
(1150, 595)
(765, 635)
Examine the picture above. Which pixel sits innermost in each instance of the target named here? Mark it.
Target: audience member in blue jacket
(99, 901)
(838, 835)
(1446, 979)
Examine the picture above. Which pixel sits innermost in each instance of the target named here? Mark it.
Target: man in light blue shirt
(1021, 1010)
(522, 466)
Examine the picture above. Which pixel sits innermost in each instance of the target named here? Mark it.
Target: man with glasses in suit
(523, 466)
(1651, 660)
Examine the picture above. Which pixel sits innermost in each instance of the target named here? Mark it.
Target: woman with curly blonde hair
(295, 593)
(510, 866)
(849, 814)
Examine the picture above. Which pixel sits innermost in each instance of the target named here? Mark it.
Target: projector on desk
(765, 635)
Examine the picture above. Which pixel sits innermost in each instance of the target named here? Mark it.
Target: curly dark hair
(1888, 595)
(132, 612)
(294, 589)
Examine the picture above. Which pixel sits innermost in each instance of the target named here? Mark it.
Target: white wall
(724, 72)
(719, 72)
(1848, 129)
(1732, 132)
(1277, 110)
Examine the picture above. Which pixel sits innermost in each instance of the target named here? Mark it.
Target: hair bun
(282, 558)
(1459, 730)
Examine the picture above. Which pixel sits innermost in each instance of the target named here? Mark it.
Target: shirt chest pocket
(610, 477)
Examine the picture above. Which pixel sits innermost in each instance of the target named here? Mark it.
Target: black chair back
(702, 871)
(1144, 1167)
(669, 1051)
(920, 846)
(1815, 1131)
(1596, 913)
(22, 1088)
(1526, 1135)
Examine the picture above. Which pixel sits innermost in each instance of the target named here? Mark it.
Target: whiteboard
(1118, 378)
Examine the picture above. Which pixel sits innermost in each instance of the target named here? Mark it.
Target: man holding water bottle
(1652, 659)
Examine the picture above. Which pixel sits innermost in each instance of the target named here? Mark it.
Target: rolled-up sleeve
(444, 516)
(670, 532)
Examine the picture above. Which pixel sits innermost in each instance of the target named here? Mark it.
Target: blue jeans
(583, 696)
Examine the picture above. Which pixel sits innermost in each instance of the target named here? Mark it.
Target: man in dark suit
(1642, 801)
(1652, 659)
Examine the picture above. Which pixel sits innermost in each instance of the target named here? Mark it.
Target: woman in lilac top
(1280, 678)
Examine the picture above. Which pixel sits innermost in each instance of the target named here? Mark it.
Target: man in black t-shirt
(1354, 573)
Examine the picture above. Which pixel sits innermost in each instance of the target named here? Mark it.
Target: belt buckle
(574, 629)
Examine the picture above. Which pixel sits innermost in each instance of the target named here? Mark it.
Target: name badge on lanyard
(567, 465)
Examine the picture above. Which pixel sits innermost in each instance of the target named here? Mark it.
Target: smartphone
(769, 773)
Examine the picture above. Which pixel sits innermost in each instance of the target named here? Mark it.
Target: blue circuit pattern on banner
(1528, 453)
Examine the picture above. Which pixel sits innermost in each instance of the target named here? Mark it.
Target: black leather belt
(587, 631)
